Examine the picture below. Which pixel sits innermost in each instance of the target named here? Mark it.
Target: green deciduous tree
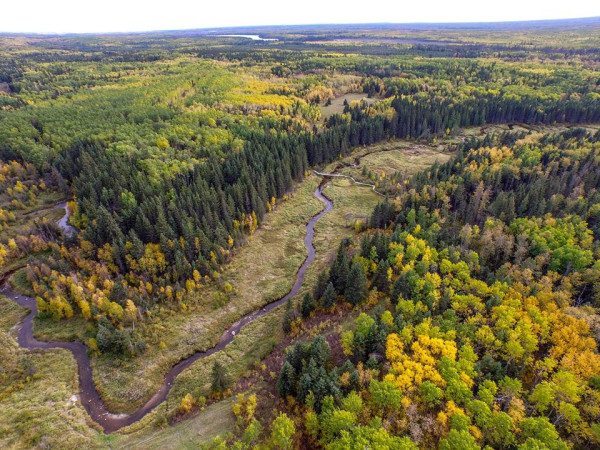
(282, 432)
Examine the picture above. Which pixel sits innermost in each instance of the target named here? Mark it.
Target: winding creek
(63, 223)
(90, 398)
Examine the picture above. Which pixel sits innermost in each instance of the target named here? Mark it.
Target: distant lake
(254, 37)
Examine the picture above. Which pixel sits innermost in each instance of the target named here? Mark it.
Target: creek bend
(88, 394)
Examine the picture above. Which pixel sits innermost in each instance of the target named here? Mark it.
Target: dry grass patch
(40, 409)
(214, 420)
(44, 207)
(337, 104)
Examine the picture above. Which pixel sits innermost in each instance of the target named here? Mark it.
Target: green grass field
(392, 157)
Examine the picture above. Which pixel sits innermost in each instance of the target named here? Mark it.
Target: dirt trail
(339, 175)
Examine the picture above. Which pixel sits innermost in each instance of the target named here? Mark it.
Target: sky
(90, 16)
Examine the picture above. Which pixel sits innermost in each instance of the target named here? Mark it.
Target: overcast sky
(60, 16)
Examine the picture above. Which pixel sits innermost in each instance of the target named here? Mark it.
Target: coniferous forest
(156, 190)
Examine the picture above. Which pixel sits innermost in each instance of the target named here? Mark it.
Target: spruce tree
(288, 317)
(286, 384)
(220, 378)
(321, 285)
(356, 288)
(320, 350)
(380, 280)
(329, 296)
(307, 306)
(340, 270)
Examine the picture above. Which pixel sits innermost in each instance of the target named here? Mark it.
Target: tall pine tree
(356, 287)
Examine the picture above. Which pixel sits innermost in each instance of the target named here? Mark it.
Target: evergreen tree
(329, 296)
(321, 285)
(220, 378)
(340, 269)
(288, 317)
(380, 280)
(356, 288)
(308, 305)
(286, 384)
(118, 293)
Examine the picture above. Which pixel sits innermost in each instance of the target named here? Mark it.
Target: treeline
(435, 115)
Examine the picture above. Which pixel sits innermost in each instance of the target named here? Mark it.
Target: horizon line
(230, 27)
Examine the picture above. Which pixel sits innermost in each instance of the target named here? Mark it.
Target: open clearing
(396, 156)
(337, 104)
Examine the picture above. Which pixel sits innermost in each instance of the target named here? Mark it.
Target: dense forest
(155, 239)
(472, 275)
(470, 294)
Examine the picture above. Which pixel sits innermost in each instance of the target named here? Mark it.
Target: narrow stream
(90, 398)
